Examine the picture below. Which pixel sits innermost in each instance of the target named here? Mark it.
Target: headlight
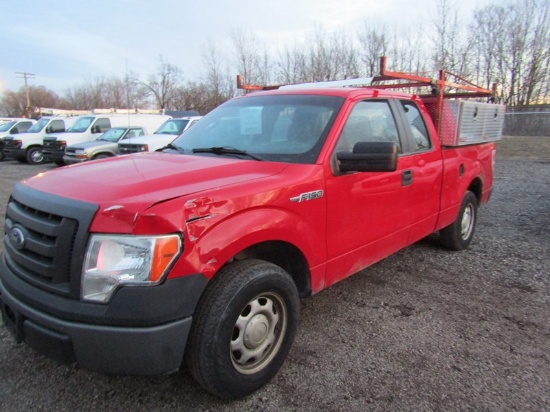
(112, 261)
(80, 151)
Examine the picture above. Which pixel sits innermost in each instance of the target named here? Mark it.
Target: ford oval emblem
(17, 237)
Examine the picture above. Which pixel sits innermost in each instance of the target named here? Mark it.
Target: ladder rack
(447, 86)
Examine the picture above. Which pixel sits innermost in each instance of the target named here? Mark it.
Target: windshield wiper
(171, 146)
(226, 150)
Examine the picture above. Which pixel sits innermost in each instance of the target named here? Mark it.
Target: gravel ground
(425, 330)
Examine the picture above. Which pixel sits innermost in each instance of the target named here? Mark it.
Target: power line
(25, 75)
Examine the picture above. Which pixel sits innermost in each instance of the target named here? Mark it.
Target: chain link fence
(527, 121)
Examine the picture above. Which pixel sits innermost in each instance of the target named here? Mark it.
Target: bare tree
(251, 58)
(220, 86)
(325, 57)
(13, 103)
(512, 41)
(450, 51)
(88, 95)
(538, 56)
(374, 41)
(164, 85)
(290, 66)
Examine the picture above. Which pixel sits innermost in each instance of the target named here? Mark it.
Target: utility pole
(25, 75)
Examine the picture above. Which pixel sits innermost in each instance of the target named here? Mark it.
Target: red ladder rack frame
(440, 89)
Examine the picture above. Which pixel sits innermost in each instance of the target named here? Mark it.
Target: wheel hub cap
(256, 331)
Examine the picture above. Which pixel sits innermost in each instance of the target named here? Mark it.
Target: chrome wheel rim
(37, 156)
(258, 333)
(467, 223)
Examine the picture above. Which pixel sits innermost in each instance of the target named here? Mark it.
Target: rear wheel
(35, 156)
(243, 328)
(459, 234)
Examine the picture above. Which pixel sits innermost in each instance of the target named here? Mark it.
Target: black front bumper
(142, 331)
(14, 153)
(54, 155)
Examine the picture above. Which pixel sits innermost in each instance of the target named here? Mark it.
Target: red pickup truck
(200, 253)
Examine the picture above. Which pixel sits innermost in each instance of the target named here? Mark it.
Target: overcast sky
(67, 42)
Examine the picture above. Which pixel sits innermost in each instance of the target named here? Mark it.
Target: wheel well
(285, 255)
(103, 154)
(476, 188)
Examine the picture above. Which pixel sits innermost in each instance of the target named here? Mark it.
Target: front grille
(10, 144)
(48, 144)
(130, 148)
(45, 239)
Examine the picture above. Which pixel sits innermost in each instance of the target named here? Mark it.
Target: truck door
(426, 168)
(368, 213)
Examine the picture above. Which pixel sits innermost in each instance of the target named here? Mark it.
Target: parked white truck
(163, 136)
(12, 126)
(27, 147)
(90, 127)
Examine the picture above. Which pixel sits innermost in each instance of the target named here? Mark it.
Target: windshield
(38, 126)
(81, 125)
(172, 126)
(284, 128)
(4, 127)
(112, 135)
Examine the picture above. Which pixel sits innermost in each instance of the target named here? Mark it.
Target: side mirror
(369, 157)
(15, 130)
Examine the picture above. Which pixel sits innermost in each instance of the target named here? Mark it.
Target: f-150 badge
(316, 194)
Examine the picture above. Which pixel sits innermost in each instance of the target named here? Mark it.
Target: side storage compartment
(466, 122)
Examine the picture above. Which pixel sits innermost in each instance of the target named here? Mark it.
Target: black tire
(35, 156)
(60, 162)
(243, 328)
(2, 156)
(459, 234)
(101, 156)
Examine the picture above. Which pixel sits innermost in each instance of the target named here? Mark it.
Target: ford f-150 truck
(200, 253)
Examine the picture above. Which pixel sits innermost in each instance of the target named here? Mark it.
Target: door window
(369, 121)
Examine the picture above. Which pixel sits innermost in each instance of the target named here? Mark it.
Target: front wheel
(459, 234)
(35, 156)
(243, 328)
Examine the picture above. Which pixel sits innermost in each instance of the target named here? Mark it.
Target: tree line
(503, 42)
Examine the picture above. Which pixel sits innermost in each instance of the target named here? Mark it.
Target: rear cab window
(419, 139)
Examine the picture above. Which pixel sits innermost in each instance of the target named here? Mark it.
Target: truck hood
(93, 143)
(138, 181)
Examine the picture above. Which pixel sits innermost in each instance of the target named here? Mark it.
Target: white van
(90, 127)
(13, 126)
(163, 136)
(27, 147)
